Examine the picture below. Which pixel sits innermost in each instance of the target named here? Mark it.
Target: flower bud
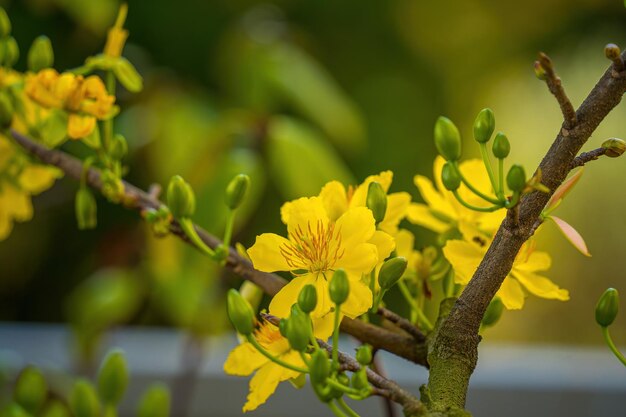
(607, 307)
(364, 355)
(319, 367)
(339, 287)
(83, 400)
(236, 191)
(450, 177)
(155, 402)
(118, 148)
(540, 71)
(113, 378)
(501, 146)
(112, 186)
(31, 390)
(282, 327)
(5, 23)
(6, 111)
(376, 201)
(11, 51)
(240, 313)
(180, 198)
(252, 293)
(55, 408)
(40, 54)
(298, 329)
(86, 209)
(484, 125)
(391, 272)
(447, 139)
(516, 178)
(614, 147)
(307, 299)
(127, 75)
(612, 51)
(493, 312)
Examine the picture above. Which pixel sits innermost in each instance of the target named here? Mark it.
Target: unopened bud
(450, 177)
(282, 327)
(516, 178)
(40, 54)
(484, 126)
(614, 147)
(127, 75)
(31, 390)
(298, 329)
(391, 272)
(118, 148)
(364, 355)
(612, 51)
(252, 293)
(493, 312)
(376, 201)
(501, 146)
(240, 313)
(447, 139)
(339, 287)
(307, 299)
(84, 400)
(540, 71)
(155, 402)
(236, 191)
(55, 408)
(112, 186)
(607, 307)
(319, 367)
(5, 23)
(359, 381)
(11, 51)
(86, 209)
(113, 378)
(180, 198)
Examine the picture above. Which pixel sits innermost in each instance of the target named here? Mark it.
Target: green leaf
(54, 129)
(93, 139)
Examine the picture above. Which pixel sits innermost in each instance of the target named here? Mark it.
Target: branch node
(612, 52)
(544, 70)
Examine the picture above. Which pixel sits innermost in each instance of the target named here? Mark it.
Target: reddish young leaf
(571, 234)
(565, 188)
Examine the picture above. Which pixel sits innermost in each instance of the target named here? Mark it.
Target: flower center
(315, 249)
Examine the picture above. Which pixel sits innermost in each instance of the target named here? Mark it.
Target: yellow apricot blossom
(315, 248)
(442, 212)
(465, 256)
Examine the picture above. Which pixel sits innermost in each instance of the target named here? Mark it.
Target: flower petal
(280, 306)
(385, 244)
(359, 196)
(397, 205)
(511, 294)
(464, 257)
(243, 360)
(540, 286)
(264, 383)
(359, 259)
(335, 200)
(266, 255)
(359, 300)
(537, 261)
(421, 215)
(323, 326)
(435, 200)
(80, 126)
(356, 226)
(304, 213)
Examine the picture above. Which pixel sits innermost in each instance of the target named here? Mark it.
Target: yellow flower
(117, 35)
(316, 247)
(245, 359)
(442, 212)
(465, 256)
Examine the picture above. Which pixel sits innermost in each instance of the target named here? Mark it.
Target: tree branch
(585, 157)
(402, 323)
(134, 198)
(556, 88)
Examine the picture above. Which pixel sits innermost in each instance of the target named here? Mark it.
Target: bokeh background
(296, 93)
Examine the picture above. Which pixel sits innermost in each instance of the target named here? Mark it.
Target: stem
(425, 324)
(609, 342)
(346, 408)
(273, 358)
(335, 410)
(500, 191)
(190, 232)
(476, 208)
(472, 188)
(514, 200)
(335, 354)
(487, 162)
(228, 232)
(337, 385)
(377, 300)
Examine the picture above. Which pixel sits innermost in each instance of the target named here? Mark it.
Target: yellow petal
(243, 360)
(464, 257)
(397, 205)
(511, 294)
(537, 261)
(435, 200)
(80, 126)
(421, 215)
(356, 226)
(475, 171)
(324, 303)
(335, 200)
(323, 326)
(38, 178)
(405, 243)
(17, 203)
(359, 196)
(264, 383)
(266, 253)
(385, 244)
(305, 213)
(359, 259)
(6, 224)
(280, 306)
(540, 286)
(359, 300)
(490, 222)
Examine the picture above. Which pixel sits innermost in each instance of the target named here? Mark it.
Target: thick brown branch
(585, 157)
(556, 88)
(398, 344)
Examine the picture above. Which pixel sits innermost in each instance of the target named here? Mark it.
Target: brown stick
(585, 157)
(556, 88)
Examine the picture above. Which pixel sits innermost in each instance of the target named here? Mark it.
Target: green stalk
(421, 318)
(336, 411)
(339, 386)
(228, 231)
(609, 342)
(345, 407)
(476, 208)
(500, 191)
(514, 200)
(472, 188)
(273, 358)
(487, 162)
(335, 352)
(190, 232)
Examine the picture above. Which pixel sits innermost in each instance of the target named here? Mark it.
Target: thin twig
(585, 157)
(402, 323)
(556, 88)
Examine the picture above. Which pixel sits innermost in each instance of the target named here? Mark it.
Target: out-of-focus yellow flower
(465, 256)
(245, 359)
(442, 212)
(117, 35)
(316, 247)
(85, 99)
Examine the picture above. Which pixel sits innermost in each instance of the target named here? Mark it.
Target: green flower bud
(319, 367)
(112, 186)
(83, 400)
(113, 378)
(501, 146)
(5, 23)
(516, 178)
(607, 307)
(364, 355)
(447, 139)
(493, 312)
(155, 402)
(55, 408)
(180, 198)
(339, 287)
(614, 147)
(86, 209)
(376, 201)
(14, 410)
(127, 75)
(252, 293)
(540, 71)
(612, 51)
(11, 51)
(40, 54)
(240, 313)
(118, 148)
(484, 125)
(236, 191)
(31, 390)
(359, 381)
(391, 272)
(307, 299)
(450, 177)
(282, 327)
(6, 111)
(298, 329)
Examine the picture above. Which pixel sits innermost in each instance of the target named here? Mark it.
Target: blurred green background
(296, 93)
